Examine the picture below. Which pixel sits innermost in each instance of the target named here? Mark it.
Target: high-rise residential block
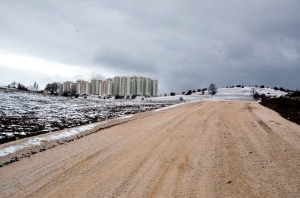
(82, 87)
(106, 88)
(67, 86)
(119, 85)
(95, 86)
(154, 87)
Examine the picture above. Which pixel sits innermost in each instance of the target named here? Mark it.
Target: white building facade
(82, 87)
(119, 85)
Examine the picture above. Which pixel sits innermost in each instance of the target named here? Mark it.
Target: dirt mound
(286, 107)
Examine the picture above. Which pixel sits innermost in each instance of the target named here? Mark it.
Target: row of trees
(212, 90)
(19, 86)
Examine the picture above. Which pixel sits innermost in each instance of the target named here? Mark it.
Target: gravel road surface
(199, 149)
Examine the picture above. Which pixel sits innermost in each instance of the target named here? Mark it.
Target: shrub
(262, 86)
(119, 97)
(295, 94)
(172, 94)
(189, 92)
(256, 95)
(22, 87)
(65, 94)
(281, 89)
(133, 97)
(263, 96)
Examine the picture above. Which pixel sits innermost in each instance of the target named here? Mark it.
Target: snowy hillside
(236, 93)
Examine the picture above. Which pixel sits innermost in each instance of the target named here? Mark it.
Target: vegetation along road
(199, 149)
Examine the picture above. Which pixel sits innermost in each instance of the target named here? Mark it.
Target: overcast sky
(183, 44)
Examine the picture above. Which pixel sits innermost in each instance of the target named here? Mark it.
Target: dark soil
(287, 107)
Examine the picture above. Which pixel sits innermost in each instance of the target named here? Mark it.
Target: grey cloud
(184, 44)
(117, 60)
(98, 76)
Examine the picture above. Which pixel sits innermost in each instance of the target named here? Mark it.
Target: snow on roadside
(50, 137)
(176, 105)
(124, 117)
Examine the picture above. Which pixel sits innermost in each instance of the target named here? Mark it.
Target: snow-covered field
(25, 114)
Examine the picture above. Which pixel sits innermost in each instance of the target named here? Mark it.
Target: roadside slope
(201, 149)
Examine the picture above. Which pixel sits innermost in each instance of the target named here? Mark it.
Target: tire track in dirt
(186, 181)
(281, 154)
(172, 130)
(232, 170)
(167, 165)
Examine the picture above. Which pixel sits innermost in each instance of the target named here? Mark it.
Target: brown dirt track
(200, 149)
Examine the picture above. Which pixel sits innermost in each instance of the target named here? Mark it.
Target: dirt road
(200, 149)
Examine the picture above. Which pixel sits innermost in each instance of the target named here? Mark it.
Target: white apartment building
(67, 86)
(135, 85)
(117, 82)
(106, 88)
(147, 87)
(73, 88)
(119, 85)
(90, 89)
(125, 86)
(95, 86)
(154, 88)
(122, 85)
(82, 87)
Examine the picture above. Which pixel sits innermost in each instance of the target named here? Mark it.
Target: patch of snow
(124, 117)
(171, 106)
(39, 140)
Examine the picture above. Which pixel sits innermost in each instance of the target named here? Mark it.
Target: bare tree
(13, 84)
(255, 94)
(212, 89)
